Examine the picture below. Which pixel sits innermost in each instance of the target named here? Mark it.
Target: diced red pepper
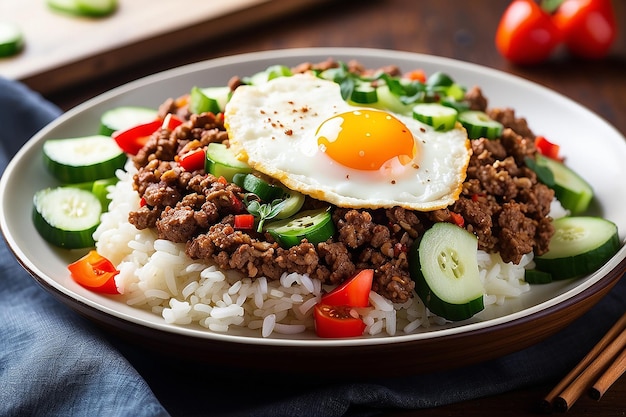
(95, 272)
(547, 148)
(457, 219)
(336, 321)
(353, 292)
(244, 221)
(416, 75)
(133, 139)
(193, 161)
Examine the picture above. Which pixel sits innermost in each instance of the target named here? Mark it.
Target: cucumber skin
(579, 265)
(66, 239)
(85, 173)
(449, 311)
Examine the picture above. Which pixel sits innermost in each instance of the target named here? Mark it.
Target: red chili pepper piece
(95, 272)
(193, 161)
(244, 222)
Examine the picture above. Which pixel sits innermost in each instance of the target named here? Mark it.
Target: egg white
(272, 127)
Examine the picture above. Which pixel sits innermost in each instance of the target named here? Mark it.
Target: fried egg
(301, 132)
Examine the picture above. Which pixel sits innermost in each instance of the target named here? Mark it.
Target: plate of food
(299, 208)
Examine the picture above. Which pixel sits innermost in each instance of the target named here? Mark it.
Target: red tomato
(526, 33)
(353, 292)
(95, 272)
(336, 321)
(193, 161)
(547, 148)
(588, 26)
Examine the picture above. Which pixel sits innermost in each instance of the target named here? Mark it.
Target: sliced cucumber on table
(83, 159)
(580, 246)
(66, 216)
(572, 191)
(93, 8)
(444, 266)
(11, 39)
(125, 117)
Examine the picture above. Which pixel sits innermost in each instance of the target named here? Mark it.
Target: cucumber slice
(440, 117)
(364, 93)
(479, 125)
(292, 204)
(444, 266)
(580, 246)
(210, 99)
(262, 188)
(534, 276)
(222, 162)
(314, 225)
(387, 100)
(93, 8)
(100, 189)
(83, 159)
(66, 216)
(268, 74)
(572, 191)
(11, 39)
(125, 117)
(455, 92)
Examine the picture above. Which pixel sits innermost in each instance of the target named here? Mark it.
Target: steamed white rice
(156, 275)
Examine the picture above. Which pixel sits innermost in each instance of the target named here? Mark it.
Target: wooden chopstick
(580, 379)
(609, 377)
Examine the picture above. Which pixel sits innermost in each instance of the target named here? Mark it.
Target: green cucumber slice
(125, 117)
(66, 216)
(93, 8)
(387, 100)
(364, 93)
(263, 189)
(11, 39)
(534, 276)
(572, 191)
(440, 117)
(268, 74)
(209, 99)
(479, 125)
(83, 159)
(580, 246)
(100, 189)
(222, 162)
(314, 225)
(444, 266)
(292, 204)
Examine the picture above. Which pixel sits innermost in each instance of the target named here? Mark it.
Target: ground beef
(501, 202)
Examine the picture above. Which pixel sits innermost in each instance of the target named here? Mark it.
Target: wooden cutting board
(62, 50)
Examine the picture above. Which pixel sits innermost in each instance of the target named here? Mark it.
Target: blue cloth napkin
(53, 362)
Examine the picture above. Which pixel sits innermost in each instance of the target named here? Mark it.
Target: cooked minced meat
(502, 203)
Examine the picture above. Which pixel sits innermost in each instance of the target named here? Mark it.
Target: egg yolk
(366, 139)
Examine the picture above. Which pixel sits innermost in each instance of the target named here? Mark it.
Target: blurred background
(71, 58)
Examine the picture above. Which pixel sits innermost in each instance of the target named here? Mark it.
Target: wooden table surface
(458, 29)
